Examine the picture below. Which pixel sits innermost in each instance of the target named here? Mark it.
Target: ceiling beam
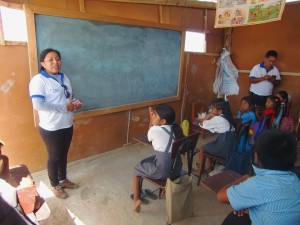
(181, 3)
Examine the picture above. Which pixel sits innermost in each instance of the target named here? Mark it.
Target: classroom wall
(97, 134)
(250, 43)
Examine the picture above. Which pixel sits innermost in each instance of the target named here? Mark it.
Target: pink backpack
(287, 122)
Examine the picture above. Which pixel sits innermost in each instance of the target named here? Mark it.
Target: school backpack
(259, 127)
(287, 122)
(185, 126)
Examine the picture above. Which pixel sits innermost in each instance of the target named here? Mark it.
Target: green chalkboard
(110, 64)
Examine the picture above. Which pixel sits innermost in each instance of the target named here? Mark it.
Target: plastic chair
(241, 130)
(182, 146)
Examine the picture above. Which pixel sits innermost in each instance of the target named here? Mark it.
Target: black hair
(221, 104)
(271, 53)
(276, 103)
(44, 54)
(276, 150)
(249, 100)
(167, 112)
(284, 95)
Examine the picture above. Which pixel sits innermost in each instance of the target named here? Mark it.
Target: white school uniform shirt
(263, 88)
(217, 124)
(51, 90)
(159, 137)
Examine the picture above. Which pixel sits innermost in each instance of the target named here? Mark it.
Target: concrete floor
(103, 196)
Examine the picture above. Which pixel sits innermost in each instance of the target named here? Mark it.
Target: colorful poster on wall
(232, 13)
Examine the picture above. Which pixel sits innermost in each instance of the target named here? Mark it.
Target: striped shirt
(272, 197)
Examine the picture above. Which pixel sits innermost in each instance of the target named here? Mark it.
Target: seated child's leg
(136, 194)
(207, 161)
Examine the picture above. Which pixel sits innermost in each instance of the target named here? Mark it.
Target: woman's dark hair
(167, 112)
(276, 150)
(284, 95)
(276, 103)
(221, 104)
(44, 54)
(248, 99)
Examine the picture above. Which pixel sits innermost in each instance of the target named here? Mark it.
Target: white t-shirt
(217, 124)
(55, 116)
(159, 137)
(263, 88)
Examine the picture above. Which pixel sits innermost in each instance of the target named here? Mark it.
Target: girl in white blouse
(219, 120)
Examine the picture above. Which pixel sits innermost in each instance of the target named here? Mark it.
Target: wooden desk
(143, 139)
(216, 182)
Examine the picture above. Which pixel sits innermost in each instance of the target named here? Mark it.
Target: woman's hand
(70, 106)
(74, 105)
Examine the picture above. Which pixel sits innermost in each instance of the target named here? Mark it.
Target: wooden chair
(182, 146)
(197, 107)
(241, 131)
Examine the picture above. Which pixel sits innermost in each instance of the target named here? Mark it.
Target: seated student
(283, 97)
(272, 107)
(220, 121)
(244, 115)
(272, 196)
(163, 131)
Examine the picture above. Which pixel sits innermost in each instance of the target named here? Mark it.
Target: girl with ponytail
(219, 120)
(162, 132)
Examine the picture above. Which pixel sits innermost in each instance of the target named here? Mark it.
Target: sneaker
(68, 184)
(59, 192)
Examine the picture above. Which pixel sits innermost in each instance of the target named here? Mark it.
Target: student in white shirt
(162, 132)
(220, 121)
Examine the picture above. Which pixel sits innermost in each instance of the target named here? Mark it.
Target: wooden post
(81, 6)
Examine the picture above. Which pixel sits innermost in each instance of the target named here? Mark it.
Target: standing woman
(51, 95)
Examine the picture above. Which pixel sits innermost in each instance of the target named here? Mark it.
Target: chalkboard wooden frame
(33, 56)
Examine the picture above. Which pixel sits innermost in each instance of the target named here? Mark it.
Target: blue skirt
(224, 143)
(157, 166)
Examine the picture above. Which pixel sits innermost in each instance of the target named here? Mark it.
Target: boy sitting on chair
(273, 194)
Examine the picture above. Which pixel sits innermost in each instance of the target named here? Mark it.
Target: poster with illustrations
(231, 13)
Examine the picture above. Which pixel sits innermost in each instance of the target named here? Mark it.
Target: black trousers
(258, 100)
(233, 219)
(57, 144)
